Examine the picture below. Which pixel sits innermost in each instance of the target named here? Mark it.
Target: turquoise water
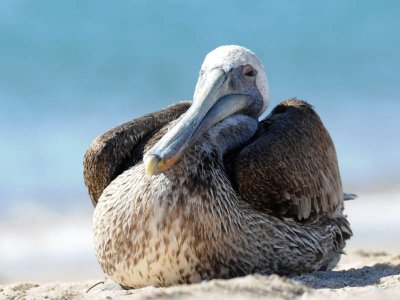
(71, 70)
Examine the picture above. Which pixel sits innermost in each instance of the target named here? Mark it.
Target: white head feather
(233, 56)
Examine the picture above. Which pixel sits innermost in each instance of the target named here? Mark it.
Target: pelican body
(203, 190)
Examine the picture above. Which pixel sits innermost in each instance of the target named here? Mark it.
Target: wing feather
(119, 148)
(291, 169)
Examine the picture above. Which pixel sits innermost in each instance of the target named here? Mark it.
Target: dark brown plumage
(121, 147)
(290, 169)
(203, 190)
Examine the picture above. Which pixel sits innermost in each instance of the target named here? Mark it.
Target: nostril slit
(232, 84)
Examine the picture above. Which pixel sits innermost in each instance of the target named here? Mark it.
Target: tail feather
(347, 196)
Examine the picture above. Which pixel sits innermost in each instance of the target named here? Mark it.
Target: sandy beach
(359, 275)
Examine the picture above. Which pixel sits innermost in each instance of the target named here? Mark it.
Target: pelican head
(232, 81)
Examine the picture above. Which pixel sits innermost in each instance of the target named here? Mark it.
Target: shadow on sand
(349, 278)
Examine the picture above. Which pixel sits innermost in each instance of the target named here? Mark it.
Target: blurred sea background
(70, 70)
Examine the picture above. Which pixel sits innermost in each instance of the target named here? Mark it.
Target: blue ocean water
(71, 70)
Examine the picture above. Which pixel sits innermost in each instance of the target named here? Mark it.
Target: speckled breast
(142, 237)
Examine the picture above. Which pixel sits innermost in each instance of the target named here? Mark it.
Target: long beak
(211, 104)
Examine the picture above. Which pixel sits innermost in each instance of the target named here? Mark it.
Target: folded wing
(118, 149)
(290, 169)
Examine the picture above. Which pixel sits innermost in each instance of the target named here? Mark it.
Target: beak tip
(151, 162)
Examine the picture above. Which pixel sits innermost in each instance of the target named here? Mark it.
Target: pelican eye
(249, 71)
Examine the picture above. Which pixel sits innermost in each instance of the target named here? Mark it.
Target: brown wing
(291, 169)
(121, 147)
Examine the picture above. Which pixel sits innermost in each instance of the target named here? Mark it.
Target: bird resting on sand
(204, 190)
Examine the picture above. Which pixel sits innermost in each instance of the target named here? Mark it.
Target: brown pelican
(203, 190)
